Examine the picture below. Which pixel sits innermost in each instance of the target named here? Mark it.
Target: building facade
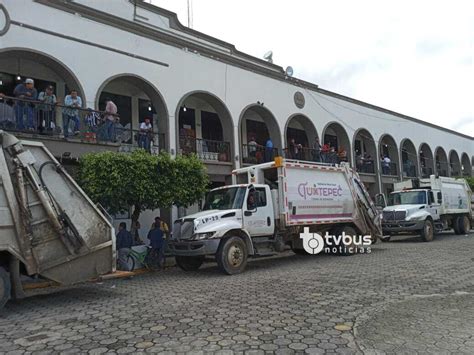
(203, 95)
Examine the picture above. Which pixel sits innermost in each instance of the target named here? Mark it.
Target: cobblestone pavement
(406, 296)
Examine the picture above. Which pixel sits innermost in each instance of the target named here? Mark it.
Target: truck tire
(232, 255)
(464, 225)
(348, 230)
(5, 287)
(427, 233)
(189, 263)
(456, 224)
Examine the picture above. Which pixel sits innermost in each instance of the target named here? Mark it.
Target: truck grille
(394, 215)
(183, 229)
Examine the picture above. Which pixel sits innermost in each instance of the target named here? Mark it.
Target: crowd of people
(156, 242)
(27, 110)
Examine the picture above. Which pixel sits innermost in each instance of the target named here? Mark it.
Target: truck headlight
(202, 236)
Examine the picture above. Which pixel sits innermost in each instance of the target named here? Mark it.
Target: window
(261, 197)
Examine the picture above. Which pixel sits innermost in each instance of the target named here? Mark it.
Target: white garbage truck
(426, 206)
(48, 225)
(267, 207)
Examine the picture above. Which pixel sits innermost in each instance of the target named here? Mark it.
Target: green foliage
(470, 182)
(120, 180)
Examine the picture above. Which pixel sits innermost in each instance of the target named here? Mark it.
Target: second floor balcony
(207, 150)
(389, 168)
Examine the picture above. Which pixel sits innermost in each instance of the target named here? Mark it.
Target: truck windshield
(225, 199)
(407, 198)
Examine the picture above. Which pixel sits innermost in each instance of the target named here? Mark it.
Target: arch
(211, 131)
(454, 164)
(388, 149)
(300, 128)
(136, 98)
(365, 152)
(335, 134)
(441, 161)
(427, 162)
(466, 165)
(409, 158)
(38, 65)
(258, 123)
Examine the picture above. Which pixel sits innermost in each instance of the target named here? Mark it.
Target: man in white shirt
(386, 165)
(145, 134)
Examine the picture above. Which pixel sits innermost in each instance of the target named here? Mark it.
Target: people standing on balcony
(110, 119)
(316, 150)
(25, 92)
(333, 157)
(341, 155)
(72, 103)
(145, 134)
(47, 109)
(385, 164)
(268, 150)
(295, 149)
(252, 147)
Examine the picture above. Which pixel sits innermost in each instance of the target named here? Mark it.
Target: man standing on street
(124, 242)
(155, 235)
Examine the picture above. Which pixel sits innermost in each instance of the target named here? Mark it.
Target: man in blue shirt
(25, 92)
(269, 150)
(155, 235)
(123, 242)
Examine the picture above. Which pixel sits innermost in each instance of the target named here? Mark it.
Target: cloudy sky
(413, 57)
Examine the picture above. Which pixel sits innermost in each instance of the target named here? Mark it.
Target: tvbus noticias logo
(314, 243)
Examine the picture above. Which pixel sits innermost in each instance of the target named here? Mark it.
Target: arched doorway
(426, 160)
(257, 126)
(466, 165)
(441, 161)
(204, 127)
(300, 131)
(388, 155)
(365, 152)
(409, 159)
(136, 99)
(336, 137)
(454, 164)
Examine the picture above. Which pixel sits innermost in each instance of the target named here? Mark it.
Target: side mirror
(440, 198)
(380, 200)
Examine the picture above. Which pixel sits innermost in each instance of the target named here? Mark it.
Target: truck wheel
(5, 287)
(232, 255)
(345, 248)
(464, 225)
(189, 263)
(456, 224)
(427, 232)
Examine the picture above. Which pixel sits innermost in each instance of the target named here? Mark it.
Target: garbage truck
(48, 225)
(269, 208)
(425, 206)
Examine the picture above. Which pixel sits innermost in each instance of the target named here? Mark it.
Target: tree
(119, 181)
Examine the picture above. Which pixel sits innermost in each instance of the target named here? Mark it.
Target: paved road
(406, 296)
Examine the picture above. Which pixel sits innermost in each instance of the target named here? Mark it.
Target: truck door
(258, 212)
(433, 206)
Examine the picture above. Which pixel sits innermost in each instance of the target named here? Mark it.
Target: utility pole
(190, 13)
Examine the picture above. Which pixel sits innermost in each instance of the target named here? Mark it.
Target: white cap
(29, 81)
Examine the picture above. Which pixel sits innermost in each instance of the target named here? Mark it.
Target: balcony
(257, 154)
(79, 125)
(389, 169)
(426, 172)
(409, 170)
(365, 166)
(207, 150)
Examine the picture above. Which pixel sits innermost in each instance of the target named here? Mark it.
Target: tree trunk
(135, 215)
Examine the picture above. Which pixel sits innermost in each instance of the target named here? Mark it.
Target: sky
(413, 57)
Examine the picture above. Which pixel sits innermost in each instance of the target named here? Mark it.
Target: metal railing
(442, 168)
(205, 149)
(409, 170)
(257, 154)
(86, 125)
(426, 172)
(365, 166)
(389, 169)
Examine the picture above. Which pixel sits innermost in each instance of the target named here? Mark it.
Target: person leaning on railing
(145, 135)
(25, 92)
(72, 103)
(110, 119)
(47, 109)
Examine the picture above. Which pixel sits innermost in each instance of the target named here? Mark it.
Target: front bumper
(401, 226)
(193, 248)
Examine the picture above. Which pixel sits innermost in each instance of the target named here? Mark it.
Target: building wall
(187, 72)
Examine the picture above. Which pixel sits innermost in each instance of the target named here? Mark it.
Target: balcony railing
(455, 170)
(76, 123)
(389, 169)
(426, 172)
(442, 169)
(365, 166)
(257, 154)
(205, 149)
